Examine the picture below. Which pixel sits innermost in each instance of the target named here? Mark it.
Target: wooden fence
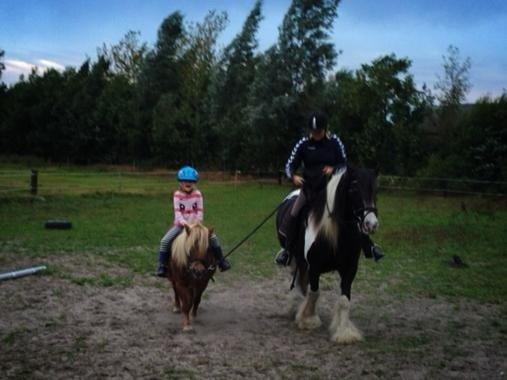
(30, 182)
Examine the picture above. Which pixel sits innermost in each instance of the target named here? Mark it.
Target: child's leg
(223, 264)
(164, 252)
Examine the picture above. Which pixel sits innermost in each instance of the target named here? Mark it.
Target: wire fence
(48, 182)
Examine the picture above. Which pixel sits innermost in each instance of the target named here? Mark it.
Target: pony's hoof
(176, 310)
(188, 329)
(309, 323)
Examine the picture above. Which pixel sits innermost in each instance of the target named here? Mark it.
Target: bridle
(358, 214)
(209, 269)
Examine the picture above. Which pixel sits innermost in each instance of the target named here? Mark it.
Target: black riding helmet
(317, 121)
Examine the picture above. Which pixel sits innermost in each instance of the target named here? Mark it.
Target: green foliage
(127, 57)
(233, 77)
(180, 112)
(304, 43)
(183, 100)
(455, 83)
(379, 112)
(2, 65)
(477, 147)
(289, 78)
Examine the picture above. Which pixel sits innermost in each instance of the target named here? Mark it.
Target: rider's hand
(297, 180)
(327, 170)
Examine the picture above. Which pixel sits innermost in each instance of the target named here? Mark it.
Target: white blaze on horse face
(370, 223)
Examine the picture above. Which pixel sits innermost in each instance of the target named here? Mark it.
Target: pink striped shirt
(188, 207)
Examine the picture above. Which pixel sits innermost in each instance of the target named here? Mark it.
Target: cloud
(20, 67)
(51, 64)
(14, 68)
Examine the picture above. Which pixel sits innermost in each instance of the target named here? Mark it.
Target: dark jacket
(314, 155)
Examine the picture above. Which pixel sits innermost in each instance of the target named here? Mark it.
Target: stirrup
(377, 253)
(282, 257)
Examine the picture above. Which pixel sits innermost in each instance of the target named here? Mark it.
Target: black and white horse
(331, 240)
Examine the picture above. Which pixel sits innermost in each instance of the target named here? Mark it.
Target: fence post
(34, 182)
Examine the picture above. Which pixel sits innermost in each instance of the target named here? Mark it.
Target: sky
(61, 33)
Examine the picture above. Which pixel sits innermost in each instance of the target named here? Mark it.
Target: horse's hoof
(188, 329)
(176, 310)
(309, 323)
(347, 335)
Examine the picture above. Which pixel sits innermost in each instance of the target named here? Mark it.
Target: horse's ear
(187, 229)
(377, 171)
(211, 231)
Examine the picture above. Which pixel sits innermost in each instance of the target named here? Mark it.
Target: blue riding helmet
(187, 174)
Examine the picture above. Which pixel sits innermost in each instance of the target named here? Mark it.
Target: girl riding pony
(188, 208)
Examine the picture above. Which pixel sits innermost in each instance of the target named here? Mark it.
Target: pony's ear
(187, 229)
(211, 230)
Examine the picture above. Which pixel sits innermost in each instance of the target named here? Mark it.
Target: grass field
(98, 312)
(121, 217)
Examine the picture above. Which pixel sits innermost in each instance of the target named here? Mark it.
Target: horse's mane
(328, 204)
(186, 242)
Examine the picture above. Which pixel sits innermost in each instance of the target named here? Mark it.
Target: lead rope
(253, 231)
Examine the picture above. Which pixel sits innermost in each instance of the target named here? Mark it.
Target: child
(188, 208)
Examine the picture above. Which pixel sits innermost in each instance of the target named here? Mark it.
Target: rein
(253, 231)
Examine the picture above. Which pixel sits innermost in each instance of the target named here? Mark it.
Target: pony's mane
(185, 243)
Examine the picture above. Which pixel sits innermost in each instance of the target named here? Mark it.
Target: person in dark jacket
(321, 154)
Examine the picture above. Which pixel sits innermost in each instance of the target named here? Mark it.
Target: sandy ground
(53, 328)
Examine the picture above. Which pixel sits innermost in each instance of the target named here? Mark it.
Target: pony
(191, 267)
(330, 240)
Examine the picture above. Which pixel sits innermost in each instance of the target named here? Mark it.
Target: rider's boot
(223, 264)
(163, 260)
(377, 252)
(370, 249)
(287, 230)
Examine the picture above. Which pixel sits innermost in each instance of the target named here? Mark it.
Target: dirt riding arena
(54, 328)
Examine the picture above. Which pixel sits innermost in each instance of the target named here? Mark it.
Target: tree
(232, 80)
(479, 149)
(127, 56)
(485, 142)
(3, 91)
(160, 75)
(378, 112)
(304, 43)
(455, 84)
(2, 65)
(446, 133)
(289, 81)
(453, 88)
(192, 105)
